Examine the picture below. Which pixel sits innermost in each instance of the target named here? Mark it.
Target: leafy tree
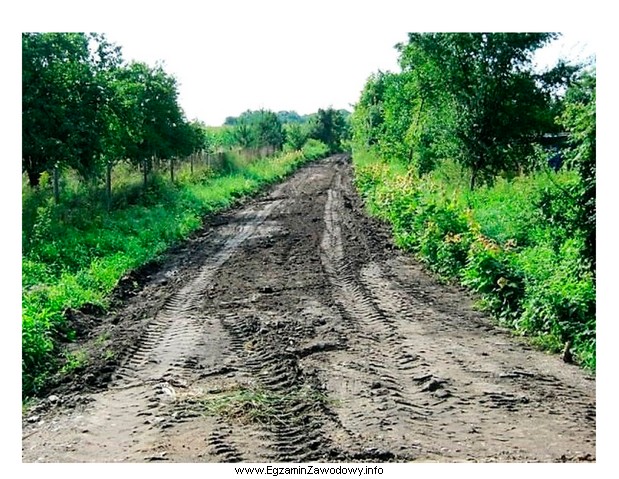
(197, 136)
(579, 119)
(258, 129)
(154, 119)
(269, 130)
(296, 135)
(394, 117)
(62, 102)
(230, 121)
(244, 133)
(84, 109)
(330, 127)
(283, 116)
(485, 94)
(115, 133)
(368, 116)
(291, 117)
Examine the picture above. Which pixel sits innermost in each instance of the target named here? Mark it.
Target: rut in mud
(291, 331)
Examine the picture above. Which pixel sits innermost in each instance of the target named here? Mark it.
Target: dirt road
(290, 330)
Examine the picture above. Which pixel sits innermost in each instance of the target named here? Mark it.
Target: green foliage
(284, 116)
(219, 138)
(471, 97)
(579, 119)
(269, 130)
(296, 136)
(331, 127)
(62, 101)
(75, 253)
(560, 296)
(292, 117)
(491, 272)
(74, 361)
(83, 109)
(258, 129)
(470, 104)
(530, 272)
(155, 117)
(313, 149)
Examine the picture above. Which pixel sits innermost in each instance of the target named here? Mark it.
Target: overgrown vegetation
(450, 152)
(260, 129)
(74, 253)
(86, 110)
(113, 175)
(83, 108)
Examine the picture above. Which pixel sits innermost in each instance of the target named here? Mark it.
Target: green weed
(75, 252)
(515, 243)
(246, 404)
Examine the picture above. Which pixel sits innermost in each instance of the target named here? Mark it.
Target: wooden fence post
(108, 184)
(56, 185)
(145, 168)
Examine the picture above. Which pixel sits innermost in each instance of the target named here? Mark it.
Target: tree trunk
(145, 168)
(108, 184)
(191, 163)
(172, 170)
(34, 178)
(56, 186)
(473, 179)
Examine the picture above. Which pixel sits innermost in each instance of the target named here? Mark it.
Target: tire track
(137, 402)
(387, 364)
(222, 446)
(300, 336)
(175, 332)
(294, 427)
(460, 379)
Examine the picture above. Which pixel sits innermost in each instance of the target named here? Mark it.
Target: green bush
(560, 297)
(516, 243)
(492, 272)
(75, 253)
(313, 149)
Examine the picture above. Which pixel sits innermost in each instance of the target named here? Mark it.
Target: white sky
(302, 55)
(281, 55)
(235, 65)
(300, 58)
(230, 64)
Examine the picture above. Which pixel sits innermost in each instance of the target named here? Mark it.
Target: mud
(291, 330)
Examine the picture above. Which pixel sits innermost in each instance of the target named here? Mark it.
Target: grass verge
(514, 243)
(75, 253)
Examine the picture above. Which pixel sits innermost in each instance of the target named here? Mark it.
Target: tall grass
(500, 241)
(75, 252)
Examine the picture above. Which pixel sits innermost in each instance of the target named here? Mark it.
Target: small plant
(76, 252)
(109, 355)
(516, 243)
(251, 404)
(74, 361)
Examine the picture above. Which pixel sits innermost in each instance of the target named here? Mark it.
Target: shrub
(75, 253)
(516, 243)
(492, 272)
(314, 149)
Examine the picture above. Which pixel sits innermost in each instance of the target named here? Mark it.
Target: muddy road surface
(290, 330)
